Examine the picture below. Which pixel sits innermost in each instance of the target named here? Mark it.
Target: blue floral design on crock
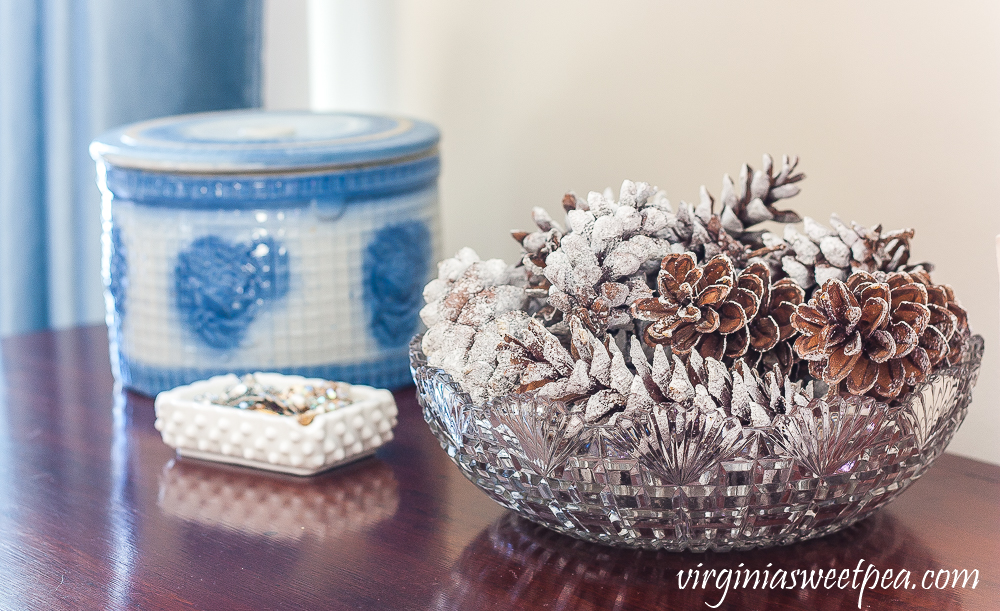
(395, 270)
(118, 271)
(221, 286)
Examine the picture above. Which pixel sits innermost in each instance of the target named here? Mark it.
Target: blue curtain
(70, 69)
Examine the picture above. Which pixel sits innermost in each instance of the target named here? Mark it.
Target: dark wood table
(97, 513)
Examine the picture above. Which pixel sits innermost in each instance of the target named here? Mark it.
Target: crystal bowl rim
(972, 355)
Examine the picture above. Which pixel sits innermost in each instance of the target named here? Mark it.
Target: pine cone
(539, 244)
(740, 391)
(771, 331)
(822, 253)
(868, 332)
(705, 307)
(699, 383)
(463, 303)
(751, 200)
(593, 271)
(949, 321)
(707, 233)
(537, 356)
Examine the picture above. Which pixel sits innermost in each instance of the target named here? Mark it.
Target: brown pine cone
(772, 330)
(705, 307)
(867, 331)
(948, 318)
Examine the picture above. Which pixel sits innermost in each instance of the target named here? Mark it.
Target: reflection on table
(528, 566)
(283, 507)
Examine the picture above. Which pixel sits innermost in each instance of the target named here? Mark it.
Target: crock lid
(264, 141)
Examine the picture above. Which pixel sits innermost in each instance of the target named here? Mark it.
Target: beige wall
(894, 108)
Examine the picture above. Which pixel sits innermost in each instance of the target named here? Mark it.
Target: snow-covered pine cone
(699, 383)
(744, 205)
(751, 200)
(463, 305)
(596, 267)
(594, 271)
(820, 253)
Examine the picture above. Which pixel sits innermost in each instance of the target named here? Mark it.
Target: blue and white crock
(242, 241)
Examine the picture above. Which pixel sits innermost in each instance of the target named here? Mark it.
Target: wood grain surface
(97, 513)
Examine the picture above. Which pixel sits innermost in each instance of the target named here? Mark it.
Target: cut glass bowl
(687, 481)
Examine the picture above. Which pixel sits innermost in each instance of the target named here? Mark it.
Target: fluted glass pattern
(677, 479)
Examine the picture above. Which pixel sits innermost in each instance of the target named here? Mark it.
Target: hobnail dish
(203, 430)
(684, 480)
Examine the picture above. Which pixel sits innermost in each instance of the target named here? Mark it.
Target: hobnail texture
(198, 429)
(679, 479)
